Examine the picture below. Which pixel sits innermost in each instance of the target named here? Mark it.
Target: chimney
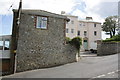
(89, 18)
(62, 12)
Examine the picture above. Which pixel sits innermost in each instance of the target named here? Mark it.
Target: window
(72, 30)
(94, 25)
(78, 33)
(72, 22)
(85, 33)
(41, 22)
(80, 24)
(67, 30)
(1, 45)
(85, 40)
(7, 44)
(95, 33)
(83, 24)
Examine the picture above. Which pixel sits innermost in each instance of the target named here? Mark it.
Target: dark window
(95, 33)
(72, 22)
(94, 25)
(41, 22)
(67, 30)
(85, 33)
(72, 30)
(80, 24)
(78, 33)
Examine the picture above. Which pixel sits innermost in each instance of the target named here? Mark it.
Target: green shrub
(68, 40)
(77, 42)
(116, 38)
(113, 39)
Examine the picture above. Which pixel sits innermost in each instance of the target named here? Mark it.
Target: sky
(98, 9)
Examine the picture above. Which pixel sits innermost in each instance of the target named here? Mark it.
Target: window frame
(95, 33)
(67, 30)
(36, 22)
(80, 24)
(1, 44)
(95, 25)
(72, 30)
(7, 44)
(78, 32)
(85, 33)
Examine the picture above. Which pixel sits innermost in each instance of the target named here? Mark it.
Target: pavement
(88, 54)
(88, 67)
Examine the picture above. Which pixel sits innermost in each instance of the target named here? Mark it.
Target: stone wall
(108, 48)
(39, 48)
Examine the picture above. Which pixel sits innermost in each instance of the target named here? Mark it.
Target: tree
(77, 42)
(110, 25)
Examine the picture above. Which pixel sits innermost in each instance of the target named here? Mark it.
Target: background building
(72, 25)
(88, 30)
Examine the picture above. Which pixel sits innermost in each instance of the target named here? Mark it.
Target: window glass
(72, 22)
(72, 30)
(7, 44)
(42, 22)
(78, 33)
(94, 25)
(67, 30)
(95, 33)
(80, 24)
(85, 33)
(85, 40)
(1, 45)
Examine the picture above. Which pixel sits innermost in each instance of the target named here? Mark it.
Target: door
(85, 43)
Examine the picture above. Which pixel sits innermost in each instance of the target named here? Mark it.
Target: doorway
(85, 44)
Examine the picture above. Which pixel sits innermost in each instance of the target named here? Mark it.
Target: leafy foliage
(113, 39)
(110, 25)
(77, 42)
(68, 40)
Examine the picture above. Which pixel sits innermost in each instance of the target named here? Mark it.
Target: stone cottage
(41, 41)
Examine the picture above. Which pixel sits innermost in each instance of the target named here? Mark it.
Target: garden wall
(108, 48)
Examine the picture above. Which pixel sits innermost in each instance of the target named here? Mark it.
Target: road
(88, 67)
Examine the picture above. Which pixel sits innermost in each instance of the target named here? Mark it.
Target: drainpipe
(17, 31)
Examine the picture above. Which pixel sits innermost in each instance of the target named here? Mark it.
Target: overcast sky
(98, 9)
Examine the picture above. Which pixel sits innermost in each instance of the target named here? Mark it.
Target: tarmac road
(88, 67)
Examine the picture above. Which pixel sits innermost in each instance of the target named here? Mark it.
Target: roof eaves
(41, 12)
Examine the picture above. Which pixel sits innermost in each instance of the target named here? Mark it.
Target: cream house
(88, 30)
(72, 26)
